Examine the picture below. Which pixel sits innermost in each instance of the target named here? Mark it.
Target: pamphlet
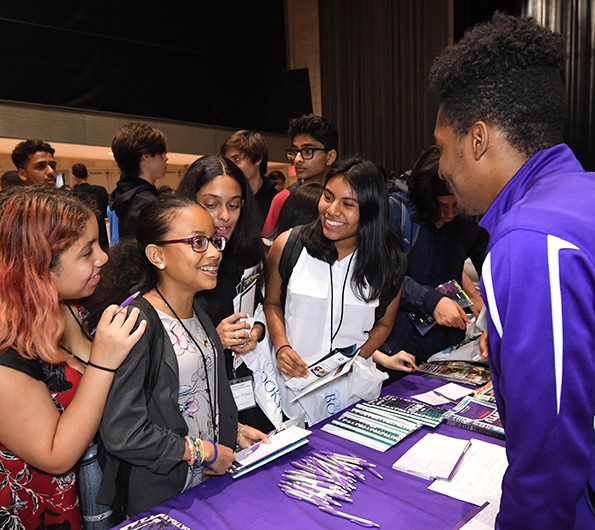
(246, 291)
(424, 322)
(486, 392)
(260, 453)
(457, 371)
(466, 350)
(335, 364)
(476, 415)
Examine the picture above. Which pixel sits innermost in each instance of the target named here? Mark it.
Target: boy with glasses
(314, 143)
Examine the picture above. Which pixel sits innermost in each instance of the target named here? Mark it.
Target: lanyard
(204, 359)
(330, 268)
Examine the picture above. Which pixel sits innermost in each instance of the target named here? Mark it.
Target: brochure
(335, 364)
(457, 371)
(424, 322)
(466, 350)
(486, 392)
(476, 415)
(260, 453)
(246, 291)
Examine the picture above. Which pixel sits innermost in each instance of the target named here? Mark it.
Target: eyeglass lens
(201, 243)
(307, 153)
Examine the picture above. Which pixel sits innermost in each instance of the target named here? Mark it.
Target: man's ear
(331, 156)
(155, 256)
(480, 139)
(23, 175)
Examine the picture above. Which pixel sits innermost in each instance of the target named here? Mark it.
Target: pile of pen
(326, 480)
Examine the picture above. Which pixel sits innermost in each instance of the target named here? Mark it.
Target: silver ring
(237, 337)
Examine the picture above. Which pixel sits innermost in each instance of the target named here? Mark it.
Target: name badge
(243, 392)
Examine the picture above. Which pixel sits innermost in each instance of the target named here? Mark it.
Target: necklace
(73, 354)
(330, 268)
(80, 324)
(210, 398)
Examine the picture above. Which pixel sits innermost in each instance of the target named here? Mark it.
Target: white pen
(357, 520)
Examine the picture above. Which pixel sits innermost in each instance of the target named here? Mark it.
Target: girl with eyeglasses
(165, 429)
(53, 381)
(344, 289)
(220, 187)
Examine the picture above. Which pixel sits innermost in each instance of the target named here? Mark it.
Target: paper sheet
(479, 477)
(435, 455)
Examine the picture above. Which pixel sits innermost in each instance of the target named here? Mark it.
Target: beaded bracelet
(199, 453)
(211, 462)
(191, 450)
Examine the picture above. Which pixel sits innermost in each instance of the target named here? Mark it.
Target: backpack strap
(409, 229)
(400, 216)
(291, 253)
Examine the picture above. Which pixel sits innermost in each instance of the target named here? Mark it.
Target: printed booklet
(457, 371)
(424, 322)
(476, 415)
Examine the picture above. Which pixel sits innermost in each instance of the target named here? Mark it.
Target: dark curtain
(375, 57)
(219, 63)
(575, 19)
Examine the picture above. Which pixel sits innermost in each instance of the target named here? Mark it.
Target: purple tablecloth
(254, 501)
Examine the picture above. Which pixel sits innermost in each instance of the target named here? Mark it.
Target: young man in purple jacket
(499, 128)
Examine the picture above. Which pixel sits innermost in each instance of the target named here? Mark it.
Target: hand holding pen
(115, 337)
(122, 306)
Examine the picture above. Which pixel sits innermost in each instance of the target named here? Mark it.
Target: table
(254, 501)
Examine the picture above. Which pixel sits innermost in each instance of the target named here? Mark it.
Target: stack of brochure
(384, 421)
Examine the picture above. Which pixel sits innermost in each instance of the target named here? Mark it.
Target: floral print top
(29, 497)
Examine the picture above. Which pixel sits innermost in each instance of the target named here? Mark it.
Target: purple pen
(127, 302)
(357, 520)
(375, 473)
(123, 305)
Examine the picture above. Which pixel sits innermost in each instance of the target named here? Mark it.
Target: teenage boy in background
(35, 162)
(314, 143)
(141, 154)
(249, 151)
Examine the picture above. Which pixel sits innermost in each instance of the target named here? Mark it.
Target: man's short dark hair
(134, 140)
(250, 143)
(317, 127)
(80, 171)
(506, 72)
(23, 150)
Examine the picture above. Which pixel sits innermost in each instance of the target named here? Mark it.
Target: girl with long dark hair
(343, 290)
